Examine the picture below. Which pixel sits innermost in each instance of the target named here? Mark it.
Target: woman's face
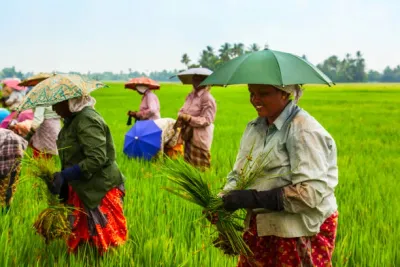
(197, 80)
(268, 100)
(62, 109)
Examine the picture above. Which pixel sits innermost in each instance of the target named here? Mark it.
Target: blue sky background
(99, 35)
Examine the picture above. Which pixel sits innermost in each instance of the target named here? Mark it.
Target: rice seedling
(194, 188)
(52, 223)
(362, 118)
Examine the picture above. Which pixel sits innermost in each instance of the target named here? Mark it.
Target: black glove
(252, 199)
(58, 181)
(129, 122)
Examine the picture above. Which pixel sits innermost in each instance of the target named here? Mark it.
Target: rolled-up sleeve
(38, 117)
(309, 153)
(207, 114)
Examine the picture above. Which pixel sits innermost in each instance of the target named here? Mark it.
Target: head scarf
(79, 103)
(293, 89)
(14, 99)
(142, 88)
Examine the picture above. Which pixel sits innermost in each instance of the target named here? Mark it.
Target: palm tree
(210, 49)
(253, 48)
(360, 68)
(238, 50)
(208, 59)
(224, 52)
(185, 60)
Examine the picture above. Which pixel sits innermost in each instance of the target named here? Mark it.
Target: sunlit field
(164, 230)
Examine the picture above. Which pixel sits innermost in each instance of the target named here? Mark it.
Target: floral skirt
(174, 152)
(302, 251)
(103, 227)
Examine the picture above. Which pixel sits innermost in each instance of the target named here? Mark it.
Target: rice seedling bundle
(52, 223)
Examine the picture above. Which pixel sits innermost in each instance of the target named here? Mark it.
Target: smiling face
(268, 100)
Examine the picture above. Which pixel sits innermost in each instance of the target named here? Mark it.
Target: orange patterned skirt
(302, 251)
(174, 152)
(103, 227)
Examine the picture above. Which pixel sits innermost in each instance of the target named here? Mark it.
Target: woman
(149, 107)
(197, 116)
(292, 211)
(12, 95)
(42, 132)
(12, 149)
(90, 179)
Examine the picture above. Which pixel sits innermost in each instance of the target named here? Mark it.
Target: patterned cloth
(8, 185)
(103, 227)
(174, 152)
(12, 148)
(170, 135)
(201, 106)
(149, 107)
(305, 251)
(45, 137)
(197, 156)
(59, 88)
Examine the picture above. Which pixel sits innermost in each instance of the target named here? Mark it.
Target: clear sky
(115, 35)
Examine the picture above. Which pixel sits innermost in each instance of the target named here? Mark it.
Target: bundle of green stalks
(52, 223)
(193, 187)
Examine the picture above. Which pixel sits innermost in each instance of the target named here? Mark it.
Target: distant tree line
(348, 69)
(103, 76)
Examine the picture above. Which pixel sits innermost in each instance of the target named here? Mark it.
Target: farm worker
(196, 117)
(90, 179)
(171, 144)
(12, 95)
(149, 107)
(292, 218)
(12, 148)
(42, 131)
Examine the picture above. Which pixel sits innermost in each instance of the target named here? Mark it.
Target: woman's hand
(132, 113)
(185, 117)
(58, 181)
(22, 128)
(252, 199)
(212, 217)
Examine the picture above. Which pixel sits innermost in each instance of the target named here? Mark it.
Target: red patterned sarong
(302, 251)
(103, 226)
